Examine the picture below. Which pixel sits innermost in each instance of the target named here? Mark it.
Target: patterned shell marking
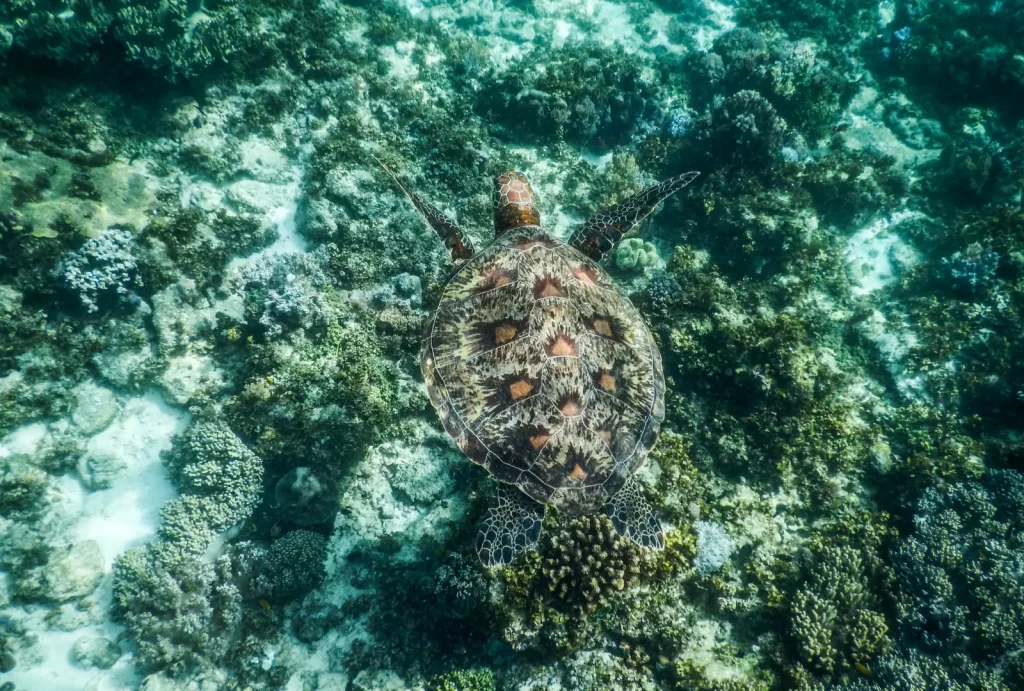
(543, 372)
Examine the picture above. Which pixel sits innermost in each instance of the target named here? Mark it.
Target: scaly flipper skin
(512, 525)
(635, 519)
(605, 229)
(458, 244)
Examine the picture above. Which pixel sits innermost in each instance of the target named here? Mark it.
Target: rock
(76, 573)
(125, 369)
(95, 408)
(97, 469)
(304, 498)
(188, 375)
(73, 616)
(382, 680)
(95, 651)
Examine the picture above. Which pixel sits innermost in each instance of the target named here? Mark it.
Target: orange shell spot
(520, 388)
(513, 196)
(585, 274)
(504, 333)
(578, 473)
(547, 288)
(563, 346)
(539, 440)
(503, 281)
(603, 327)
(570, 408)
(607, 382)
(606, 435)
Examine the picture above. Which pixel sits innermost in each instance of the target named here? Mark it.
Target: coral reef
(213, 431)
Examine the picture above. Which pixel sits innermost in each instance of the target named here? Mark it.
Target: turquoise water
(221, 466)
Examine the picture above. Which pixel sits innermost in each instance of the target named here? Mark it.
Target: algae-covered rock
(95, 651)
(76, 572)
(95, 408)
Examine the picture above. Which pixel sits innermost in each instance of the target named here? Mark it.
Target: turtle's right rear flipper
(512, 525)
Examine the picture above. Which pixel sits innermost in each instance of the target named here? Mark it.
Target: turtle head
(513, 202)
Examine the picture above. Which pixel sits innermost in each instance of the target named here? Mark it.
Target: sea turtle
(542, 371)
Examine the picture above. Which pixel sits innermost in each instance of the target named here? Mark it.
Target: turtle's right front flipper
(458, 244)
(602, 232)
(512, 525)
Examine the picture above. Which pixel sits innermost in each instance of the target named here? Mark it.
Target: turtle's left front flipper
(458, 244)
(604, 230)
(634, 518)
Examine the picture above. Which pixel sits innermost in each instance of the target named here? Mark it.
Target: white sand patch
(123, 516)
(875, 255)
(23, 441)
(721, 21)
(128, 514)
(52, 669)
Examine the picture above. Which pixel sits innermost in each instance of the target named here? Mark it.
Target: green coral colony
(227, 460)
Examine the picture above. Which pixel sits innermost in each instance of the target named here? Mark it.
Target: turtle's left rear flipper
(512, 525)
(458, 244)
(634, 518)
(602, 232)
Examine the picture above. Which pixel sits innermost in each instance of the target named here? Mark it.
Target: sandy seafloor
(219, 467)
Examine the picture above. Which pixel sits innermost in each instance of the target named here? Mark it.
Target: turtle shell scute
(543, 372)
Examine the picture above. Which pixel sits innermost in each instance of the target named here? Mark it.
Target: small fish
(265, 605)
(840, 126)
(862, 668)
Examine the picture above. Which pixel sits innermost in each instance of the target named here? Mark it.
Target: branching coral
(102, 268)
(180, 611)
(585, 93)
(799, 80)
(742, 129)
(176, 39)
(221, 482)
(315, 401)
(959, 588)
(463, 680)
(836, 620)
(585, 561)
